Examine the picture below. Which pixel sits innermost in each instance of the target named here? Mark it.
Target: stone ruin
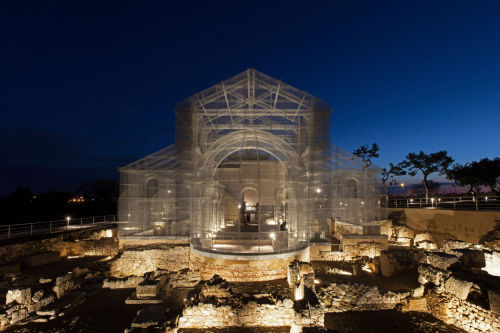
(453, 281)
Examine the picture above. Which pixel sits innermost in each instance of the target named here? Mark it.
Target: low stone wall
(139, 260)
(243, 270)
(253, 314)
(450, 296)
(74, 243)
(353, 252)
(462, 313)
(214, 304)
(343, 297)
(468, 226)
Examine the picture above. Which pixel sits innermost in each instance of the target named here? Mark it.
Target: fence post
(8, 232)
(420, 202)
(50, 227)
(454, 203)
(396, 203)
(81, 223)
(93, 220)
(477, 204)
(31, 228)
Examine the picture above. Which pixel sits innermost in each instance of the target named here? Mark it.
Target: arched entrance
(261, 208)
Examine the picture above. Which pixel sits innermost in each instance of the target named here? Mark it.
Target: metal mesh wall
(252, 171)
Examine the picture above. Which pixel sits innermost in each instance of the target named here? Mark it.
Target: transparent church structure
(252, 171)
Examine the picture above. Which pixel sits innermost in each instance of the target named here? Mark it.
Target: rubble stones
(453, 244)
(461, 313)
(342, 297)
(37, 296)
(20, 296)
(183, 279)
(428, 273)
(63, 285)
(123, 283)
(251, 314)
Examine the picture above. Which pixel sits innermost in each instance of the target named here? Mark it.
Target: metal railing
(48, 227)
(476, 203)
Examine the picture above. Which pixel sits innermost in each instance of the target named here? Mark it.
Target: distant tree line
(474, 175)
(90, 198)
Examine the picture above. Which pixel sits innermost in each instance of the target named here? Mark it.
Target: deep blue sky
(86, 87)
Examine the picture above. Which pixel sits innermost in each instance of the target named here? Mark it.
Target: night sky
(86, 87)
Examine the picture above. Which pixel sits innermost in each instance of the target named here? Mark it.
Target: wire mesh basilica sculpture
(252, 171)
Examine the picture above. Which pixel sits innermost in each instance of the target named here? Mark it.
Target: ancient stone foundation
(142, 259)
(244, 268)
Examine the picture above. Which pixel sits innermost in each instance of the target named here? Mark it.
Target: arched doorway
(262, 207)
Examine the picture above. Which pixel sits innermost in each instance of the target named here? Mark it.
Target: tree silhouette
(388, 175)
(466, 175)
(366, 154)
(427, 164)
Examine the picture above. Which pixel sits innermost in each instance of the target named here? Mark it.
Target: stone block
(459, 288)
(80, 272)
(492, 260)
(123, 283)
(416, 304)
(441, 260)
(149, 289)
(63, 285)
(431, 274)
(494, 299)
(133, 299)
(41, 259)
(425, 236)
(44, 280)
(48, 312)
(389, 266)
(426, 245)
(418, 292)
(37, 296)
